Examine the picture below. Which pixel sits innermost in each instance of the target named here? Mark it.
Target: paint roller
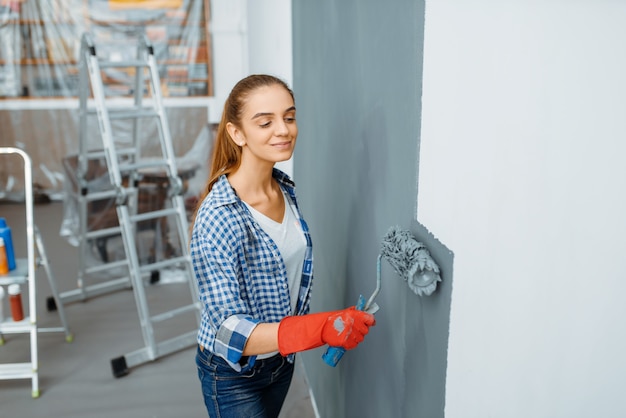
(411, 260)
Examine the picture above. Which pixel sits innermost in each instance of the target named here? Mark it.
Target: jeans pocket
(281, 368)
(203, 358)
(222, 370)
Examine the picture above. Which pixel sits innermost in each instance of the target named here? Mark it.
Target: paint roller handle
(334, 354)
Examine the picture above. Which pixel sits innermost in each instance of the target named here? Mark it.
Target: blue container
(5, 233)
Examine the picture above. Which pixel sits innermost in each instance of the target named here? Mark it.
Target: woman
(253, 261)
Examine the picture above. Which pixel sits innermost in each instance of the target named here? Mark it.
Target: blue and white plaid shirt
(241, 276)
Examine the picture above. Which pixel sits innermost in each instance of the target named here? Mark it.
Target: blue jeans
(256, 393)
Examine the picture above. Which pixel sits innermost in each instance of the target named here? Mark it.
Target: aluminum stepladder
(125, 166)
(25, 274)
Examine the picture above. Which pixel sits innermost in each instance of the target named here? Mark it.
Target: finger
(353, 341)
(364, 323)
(369, 319)
(360, 328)
(362, 316)
(349, 345)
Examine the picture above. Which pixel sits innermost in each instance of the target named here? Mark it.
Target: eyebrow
(261, 114)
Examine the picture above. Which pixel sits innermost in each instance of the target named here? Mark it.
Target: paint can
(15, 300)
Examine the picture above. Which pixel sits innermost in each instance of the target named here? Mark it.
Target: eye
(289, 117)
(266, 124)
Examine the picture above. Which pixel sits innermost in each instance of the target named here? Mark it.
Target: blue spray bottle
(5, 233)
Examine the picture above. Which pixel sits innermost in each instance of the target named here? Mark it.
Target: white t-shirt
(291, 243)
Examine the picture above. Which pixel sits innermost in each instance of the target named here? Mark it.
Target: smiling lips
(286, 144)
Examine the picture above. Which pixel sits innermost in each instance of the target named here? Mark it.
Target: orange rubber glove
(345, 328)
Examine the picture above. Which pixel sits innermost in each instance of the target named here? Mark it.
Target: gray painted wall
(357, 79)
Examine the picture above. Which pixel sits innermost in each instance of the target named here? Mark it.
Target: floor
(76, 378)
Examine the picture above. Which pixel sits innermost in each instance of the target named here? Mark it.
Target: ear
(235, 134)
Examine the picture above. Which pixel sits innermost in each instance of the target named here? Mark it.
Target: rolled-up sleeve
(232, 337)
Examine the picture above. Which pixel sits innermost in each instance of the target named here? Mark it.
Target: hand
(347, 328)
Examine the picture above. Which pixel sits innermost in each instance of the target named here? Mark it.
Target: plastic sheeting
(152, 189)
(39, 56)
(156, 239)
(40, 44)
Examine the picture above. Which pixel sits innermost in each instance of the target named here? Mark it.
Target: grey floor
(76, 378)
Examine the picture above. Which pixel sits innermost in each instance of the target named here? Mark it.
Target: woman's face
(268, 125)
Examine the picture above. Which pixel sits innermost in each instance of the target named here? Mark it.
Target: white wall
(270, 45)
(522, 176)
(270, 38)
(249, 36)
(230, 50)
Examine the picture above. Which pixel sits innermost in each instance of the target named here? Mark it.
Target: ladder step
(143, 164)
(51, 329)
(148, 268)
(163, 348)
(122, 64)
(106, 194)
(81, 294)
(106, 266)
(17, 370)
(96, 155)
(106, 232)
(171, 314)
(153, 215)
(133, 113)
(129, 112)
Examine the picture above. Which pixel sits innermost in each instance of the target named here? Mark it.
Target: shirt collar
(223, 193)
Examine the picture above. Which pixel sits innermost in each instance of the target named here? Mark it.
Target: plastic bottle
(5, 233)
(15, 300)
(4, 262)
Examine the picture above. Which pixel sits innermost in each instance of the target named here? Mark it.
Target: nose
(281, 128)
